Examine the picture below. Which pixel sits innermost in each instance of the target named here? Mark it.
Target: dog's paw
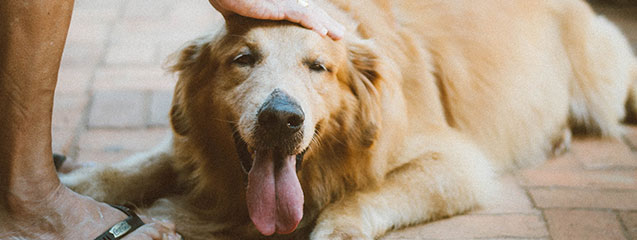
(337, 230)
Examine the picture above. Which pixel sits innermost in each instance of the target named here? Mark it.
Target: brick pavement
(113, 98)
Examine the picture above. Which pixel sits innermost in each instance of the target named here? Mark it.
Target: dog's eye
(244, 59)
(318, 67)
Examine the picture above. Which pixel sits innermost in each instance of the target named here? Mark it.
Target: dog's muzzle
(279, 127)
(279, 123)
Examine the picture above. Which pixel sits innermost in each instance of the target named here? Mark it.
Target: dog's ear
(363, 81)
(186, 57)
(187, 64)
(178, 118)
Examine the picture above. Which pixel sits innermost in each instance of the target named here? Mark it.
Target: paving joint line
(547, 226)
(622, 225)
(83, 125)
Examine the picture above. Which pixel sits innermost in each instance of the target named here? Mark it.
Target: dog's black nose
(280, 115)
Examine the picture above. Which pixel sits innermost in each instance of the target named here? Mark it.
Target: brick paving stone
(144, 31)
(117, 140)
(159, 108)
(196, 18)
(566, 161)
(73, 81)
(583, 225)
(604, 154)
(567, 171)
(81, 55)
(118, 109)
(95, 15)
(195, 11)
(157, 31)
(584, 198)
(139, 78)
(511, 199)
(87, 32)
(189, 32)
(68, 110)
(82, 5)
(476, 226)
(631, 135)
(62, 139)
(599, 179)
(131, 53)
(630, 222)
(147, 9)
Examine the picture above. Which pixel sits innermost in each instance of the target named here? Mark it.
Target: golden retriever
(279, 132)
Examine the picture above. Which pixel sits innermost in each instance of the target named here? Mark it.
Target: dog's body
(403, 121)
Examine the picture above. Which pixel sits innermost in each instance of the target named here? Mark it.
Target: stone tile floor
(113, 98)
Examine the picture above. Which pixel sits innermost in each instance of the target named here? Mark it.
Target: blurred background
(113, 94)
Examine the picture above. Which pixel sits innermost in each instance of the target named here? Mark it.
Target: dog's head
(273, 89)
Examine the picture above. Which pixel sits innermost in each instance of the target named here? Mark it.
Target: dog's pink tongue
(274, 195)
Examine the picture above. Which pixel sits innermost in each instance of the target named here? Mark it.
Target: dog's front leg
(437, 184)
(136, 180)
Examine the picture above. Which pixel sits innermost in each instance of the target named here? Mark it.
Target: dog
(279, 133)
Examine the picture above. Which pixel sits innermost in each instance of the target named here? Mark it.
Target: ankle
(27, 172)
(20, 203)
(19, 189)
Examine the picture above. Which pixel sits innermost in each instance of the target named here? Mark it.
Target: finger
(303, 15)
(335, 30)
(315, 18)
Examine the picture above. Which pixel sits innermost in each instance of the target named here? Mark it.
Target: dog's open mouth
(246, 158)
(274, 195)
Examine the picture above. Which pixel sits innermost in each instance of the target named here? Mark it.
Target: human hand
(298, 11)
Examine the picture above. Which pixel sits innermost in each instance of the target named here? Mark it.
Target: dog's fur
(421, 102)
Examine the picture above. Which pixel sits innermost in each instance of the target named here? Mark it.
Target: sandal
(121, 229)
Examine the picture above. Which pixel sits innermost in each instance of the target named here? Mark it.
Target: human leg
(33, 202)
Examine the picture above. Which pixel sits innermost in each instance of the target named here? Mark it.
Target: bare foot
(68, 215)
